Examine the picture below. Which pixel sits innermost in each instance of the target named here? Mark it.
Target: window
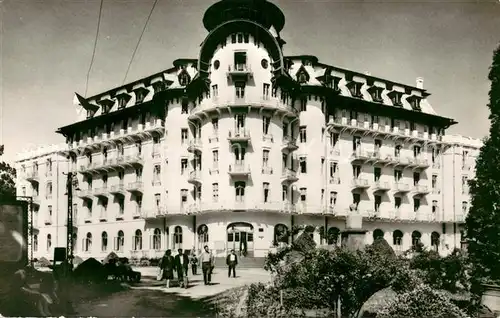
(284, 192)
(395, 98)
(464, 184)
(178, 236)
(87, 247)
(376, 93)
(434, 181)
(355, 89)
(397, 202)
(215, 156)
(215, 192)
(156, 174)
(378, 201)
(138, 240)
(138, 174)
(184, 165)
(240, 191)
(265, 90)
(266, 122)
(435, 240)
(239, 89)
(356, 198)
(197, 194)
(202, 234)
(285, 129)
(233, 38)
(184, 135)
(303, 164)
(303, 134)
(397, 238)
(49, 166)
(265, 186)
(265, 157)
(333, 198)
(158, 200)
(397, 151)
(184, 194)
(121, 175)
(398, 174)
(434, 206)
(333, 169)
(416, 151)
(334, 138)
(157, 239)
(215, 125)
(303, 195)
(416, 204)
(23, 191)
(49, 241)
(356, 143)
(377, 171)
(121, 206)
(415, 238)
(356, 171)
(464, 206)
(49, 209)
(240, 121)
(120, 241)
(215, 90)
(184, 78)
(378, 234)
(49, 190)
(416, 178)
(35, 243)
(303, 105)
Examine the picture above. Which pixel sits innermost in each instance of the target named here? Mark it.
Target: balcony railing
(381, 186)
(289, 144)
(400, 187)
(195, 145)
(48, 220)
(239, 169)
(420, 189)
(359, 183)
(289, 175)
(135, 186)
(238, 135)
(32, 176)
(117, 188)
(194, 177)
(239, 70)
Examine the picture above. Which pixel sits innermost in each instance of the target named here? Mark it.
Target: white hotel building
(243, 143)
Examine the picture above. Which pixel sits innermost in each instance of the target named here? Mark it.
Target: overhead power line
(139, 41)
(95, 46)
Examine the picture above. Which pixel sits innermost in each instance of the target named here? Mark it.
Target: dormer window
(414, 102)
(302, 75)
(158, 86)
(376, 93)
(395, 98)
(140, 94)
(106, 105)
(90, 113)
(355, 89)
(184, 77)
(122, 100)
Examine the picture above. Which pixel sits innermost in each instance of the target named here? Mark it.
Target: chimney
(420, 82)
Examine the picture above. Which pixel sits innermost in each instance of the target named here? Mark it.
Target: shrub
(422, 302)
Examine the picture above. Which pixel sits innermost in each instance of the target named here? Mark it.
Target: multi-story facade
(238, 147)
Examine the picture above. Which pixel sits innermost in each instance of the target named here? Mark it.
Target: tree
(483, 219)
(7, 179)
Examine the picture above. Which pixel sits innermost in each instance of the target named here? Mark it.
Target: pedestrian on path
(181, 266)
(232, 261)
(206, 260)
(194, 263)
(167, 264)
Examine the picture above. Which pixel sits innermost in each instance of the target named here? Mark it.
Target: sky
(46, 48)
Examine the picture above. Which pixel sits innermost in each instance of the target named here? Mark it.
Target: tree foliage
(7, 181)
(421, 302)
(483, 220)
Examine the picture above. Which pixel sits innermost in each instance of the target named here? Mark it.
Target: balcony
(419, 216)
(359, 156)
(380, 186)
(117, 189)
(401, 188)
(359, 184)
(239, 170)
(304, 208)
(134, 161)
(239, 71)
(48, 220)
(195, 145)
(288, 144)
(418, 163)
(33, 177)
(420, 189)
(375, 157)
(195, 177)
(86, 194)
(397, 161)
(101, 192)
(239, 135)
(137, 213)
(154, 213)
(334, 180)
(135, 187)
(288, 176)
(103, 216)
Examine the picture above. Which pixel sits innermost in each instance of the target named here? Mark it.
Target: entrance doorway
(240, 238)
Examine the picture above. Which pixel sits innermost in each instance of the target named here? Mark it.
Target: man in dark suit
(181, 264)
(232, 261)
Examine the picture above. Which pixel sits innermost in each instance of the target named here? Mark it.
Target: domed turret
(259, 11)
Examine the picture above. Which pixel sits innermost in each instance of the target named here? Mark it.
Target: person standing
(206, 265)
(232, 261)
(181, 264)
(194, 263)
(167, 265)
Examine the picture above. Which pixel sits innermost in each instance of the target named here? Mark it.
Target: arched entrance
(240, 238)
(281, 235)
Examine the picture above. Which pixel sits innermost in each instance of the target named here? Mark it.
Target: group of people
(180, 264)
